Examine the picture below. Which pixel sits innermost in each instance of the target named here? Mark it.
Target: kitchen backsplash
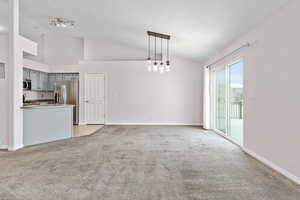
(34, 95)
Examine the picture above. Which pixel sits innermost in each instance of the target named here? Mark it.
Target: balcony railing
(236, 110)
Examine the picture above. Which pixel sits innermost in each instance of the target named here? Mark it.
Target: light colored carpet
(140, 163)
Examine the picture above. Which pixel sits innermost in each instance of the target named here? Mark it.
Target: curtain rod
(248, 44)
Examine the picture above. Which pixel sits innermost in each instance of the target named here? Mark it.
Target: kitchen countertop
(46, 106)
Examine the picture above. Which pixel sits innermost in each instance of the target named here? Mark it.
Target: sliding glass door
(236, 103)
(228, 101)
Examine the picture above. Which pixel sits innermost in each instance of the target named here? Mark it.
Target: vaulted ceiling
(199, 28)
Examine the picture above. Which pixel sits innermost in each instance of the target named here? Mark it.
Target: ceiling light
(60, 22)
(161, 68)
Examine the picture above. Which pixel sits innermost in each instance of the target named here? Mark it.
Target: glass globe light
(161, 70)
(168, 68)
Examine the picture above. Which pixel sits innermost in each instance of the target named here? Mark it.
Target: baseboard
(280, 170)
(154, 124)
(15, 148)
(3, 146)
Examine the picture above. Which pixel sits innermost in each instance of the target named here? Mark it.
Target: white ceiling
(3, 16)
(199, 28)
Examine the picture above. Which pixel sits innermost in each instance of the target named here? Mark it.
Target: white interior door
(95, 98)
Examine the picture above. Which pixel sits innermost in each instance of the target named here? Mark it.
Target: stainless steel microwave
(27, 85)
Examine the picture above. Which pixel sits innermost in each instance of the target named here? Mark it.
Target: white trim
(28, 46)
(3, 146)
(154, 124)
(278, 169)
(15, 148)
(206, 99)
(81, 104)
(270, 164)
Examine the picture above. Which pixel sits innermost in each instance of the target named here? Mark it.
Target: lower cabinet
(47, 124)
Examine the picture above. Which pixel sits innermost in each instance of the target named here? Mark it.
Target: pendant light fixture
(155, 67)
(168, 67)
(162, 66)
(149, 55)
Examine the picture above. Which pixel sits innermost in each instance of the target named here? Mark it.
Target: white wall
(28, 46)
(34, 65)
(62, 50)
(95, 49)
(15, 78)
(4, 47)
(272, 97)
(39, 39)
(136, 96)
(4, 94)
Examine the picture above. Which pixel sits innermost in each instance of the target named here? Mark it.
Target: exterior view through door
(227, 100)
(95, 98)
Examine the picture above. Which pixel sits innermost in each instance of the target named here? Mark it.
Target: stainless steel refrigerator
(67, 92)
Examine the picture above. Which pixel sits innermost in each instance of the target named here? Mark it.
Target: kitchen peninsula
(47, 123)
(50, 104)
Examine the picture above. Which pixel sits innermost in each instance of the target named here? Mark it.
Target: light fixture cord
(168, 51)
(149, 57)
(155, 48)
(161, 49)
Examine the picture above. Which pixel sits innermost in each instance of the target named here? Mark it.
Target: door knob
(86, 101)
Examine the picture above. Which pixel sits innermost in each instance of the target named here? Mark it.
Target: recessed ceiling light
(60, 22)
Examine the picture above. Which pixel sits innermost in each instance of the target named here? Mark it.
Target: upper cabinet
(42, 81)
(43, 84)
(26, 74)
(39, 80)
(54, 77)
(35, 80)
(70, 76)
